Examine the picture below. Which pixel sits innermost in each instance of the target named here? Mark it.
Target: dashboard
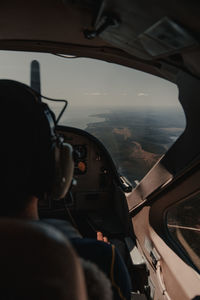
(95, 173)
(98, 195)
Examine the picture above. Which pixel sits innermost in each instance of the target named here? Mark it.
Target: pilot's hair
(97, 283)
(25, 161)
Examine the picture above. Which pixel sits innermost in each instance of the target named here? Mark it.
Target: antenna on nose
(35, 82)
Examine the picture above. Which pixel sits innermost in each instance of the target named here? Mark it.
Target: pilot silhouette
(31, 172)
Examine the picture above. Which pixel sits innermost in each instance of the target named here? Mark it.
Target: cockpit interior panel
(93, 172)
(95, 194)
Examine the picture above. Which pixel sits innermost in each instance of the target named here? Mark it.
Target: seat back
(37, 263)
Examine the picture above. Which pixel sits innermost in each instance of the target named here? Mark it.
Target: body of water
(80, 117)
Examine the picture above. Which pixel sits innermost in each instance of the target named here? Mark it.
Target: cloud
(142, 94)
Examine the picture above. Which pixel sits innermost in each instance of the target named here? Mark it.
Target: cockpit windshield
(137, 116)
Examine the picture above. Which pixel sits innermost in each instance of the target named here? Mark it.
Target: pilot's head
(28, 147)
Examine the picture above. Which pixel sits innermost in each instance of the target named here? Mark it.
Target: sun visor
(166, 37)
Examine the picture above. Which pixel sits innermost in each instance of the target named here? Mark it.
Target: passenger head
(38, 263)
(26, 158)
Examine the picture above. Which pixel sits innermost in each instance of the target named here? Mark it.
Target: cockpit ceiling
(159, 37)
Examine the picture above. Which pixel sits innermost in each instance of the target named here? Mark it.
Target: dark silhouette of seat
(37, 262)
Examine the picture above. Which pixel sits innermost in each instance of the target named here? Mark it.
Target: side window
(183, 222)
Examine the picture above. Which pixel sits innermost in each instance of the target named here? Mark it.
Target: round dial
(80, 167)
(80, 152)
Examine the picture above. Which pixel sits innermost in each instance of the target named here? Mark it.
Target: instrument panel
(93, 171)
(80, 159)
(98, 195)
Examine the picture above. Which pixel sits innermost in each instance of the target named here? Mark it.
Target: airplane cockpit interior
(123, 81)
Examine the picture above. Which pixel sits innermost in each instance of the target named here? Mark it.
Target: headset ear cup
(64, 170)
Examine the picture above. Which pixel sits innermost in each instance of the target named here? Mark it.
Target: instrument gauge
(80, 167)
(80, 152)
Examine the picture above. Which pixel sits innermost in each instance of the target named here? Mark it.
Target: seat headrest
(37, 262)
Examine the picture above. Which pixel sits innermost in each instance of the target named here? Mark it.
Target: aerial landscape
(137, 138)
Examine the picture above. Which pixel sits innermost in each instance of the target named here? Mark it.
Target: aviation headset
(55, 178)
(63, 163)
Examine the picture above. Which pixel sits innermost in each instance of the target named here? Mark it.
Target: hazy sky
(90, 82)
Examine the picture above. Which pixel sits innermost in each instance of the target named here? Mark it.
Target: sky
(84, 81)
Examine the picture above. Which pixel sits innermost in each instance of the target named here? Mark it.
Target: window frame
(180, 250)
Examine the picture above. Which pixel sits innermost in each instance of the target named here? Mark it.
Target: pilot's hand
(102, 238)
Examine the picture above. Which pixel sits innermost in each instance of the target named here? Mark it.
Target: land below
(137, 139)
